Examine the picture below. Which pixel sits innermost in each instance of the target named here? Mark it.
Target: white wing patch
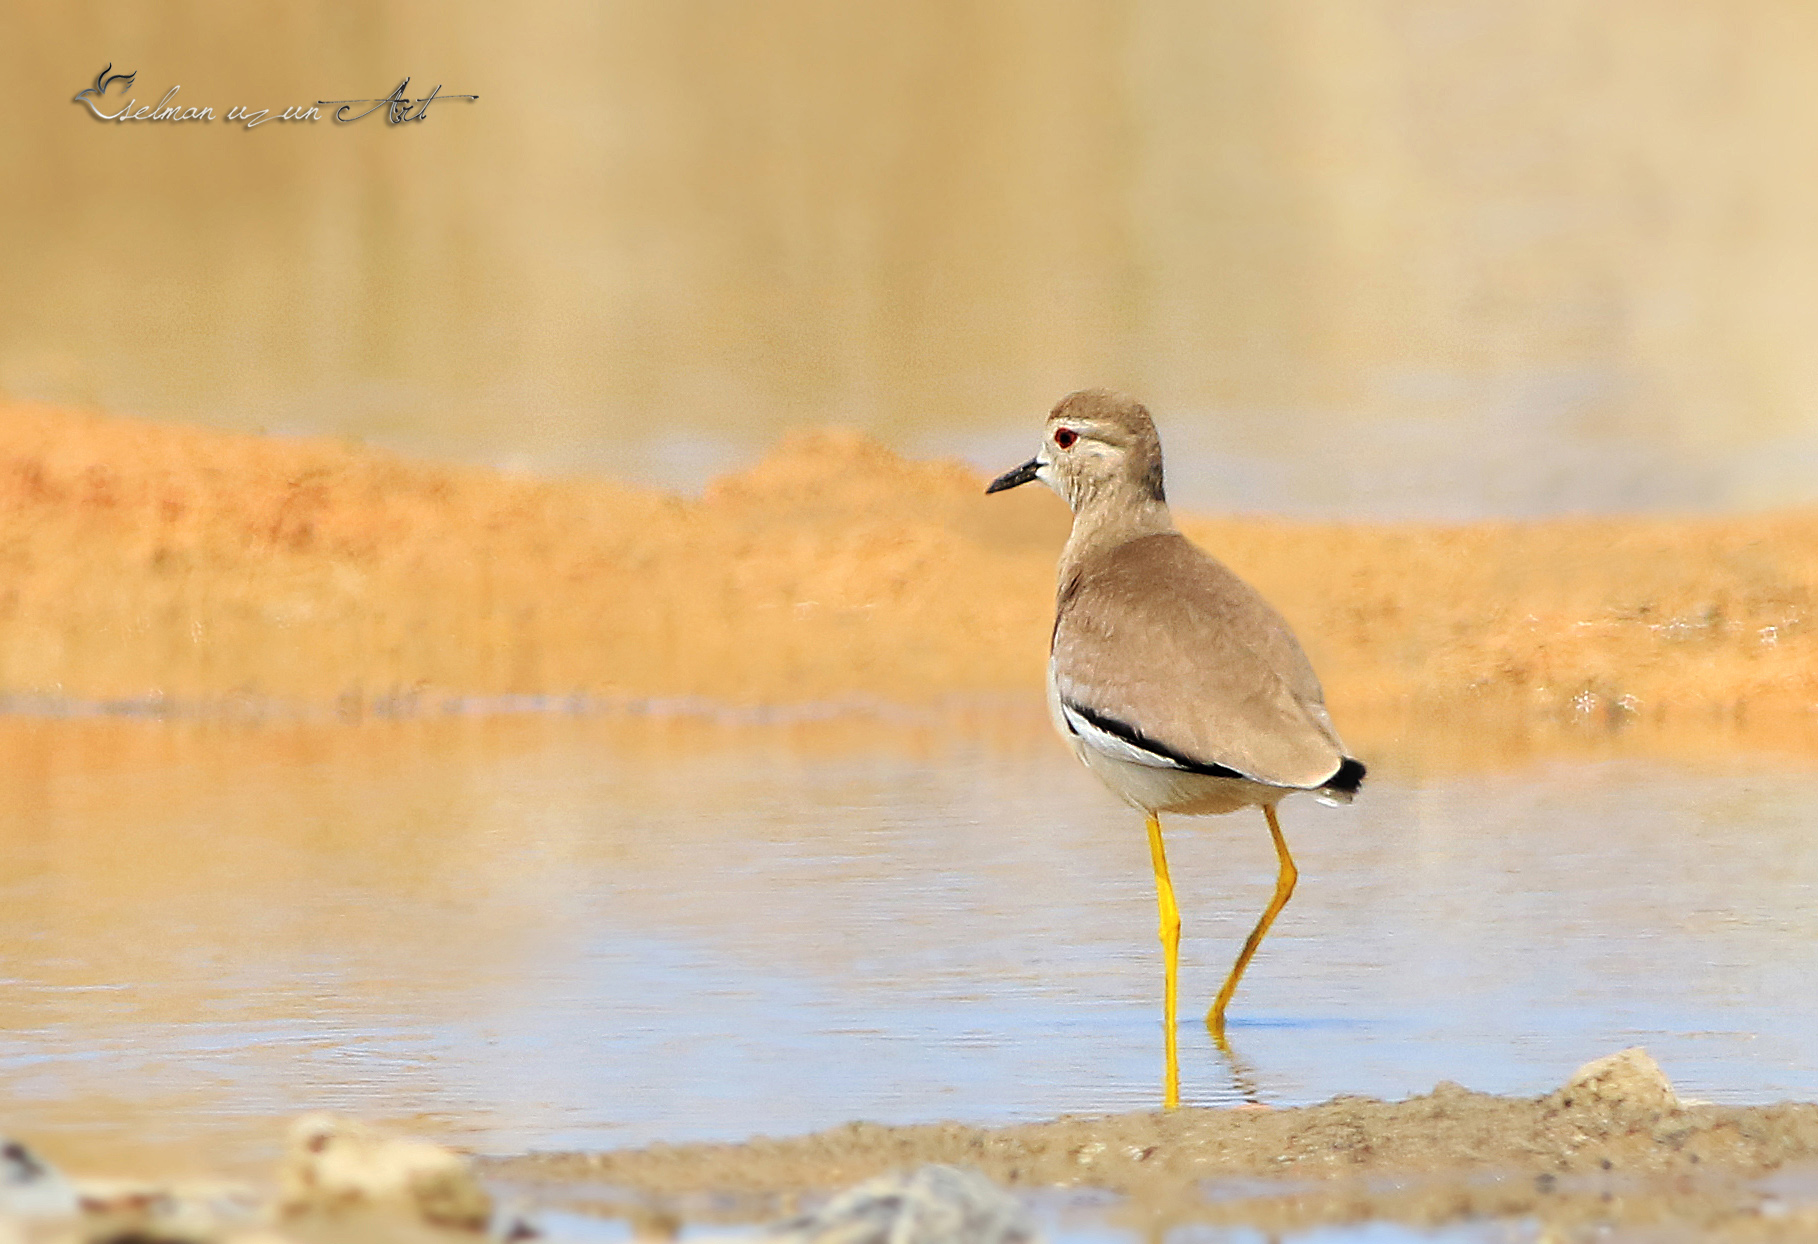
(1111, 745)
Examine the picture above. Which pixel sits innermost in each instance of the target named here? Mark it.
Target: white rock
(1626, 1078)
(335, 1164)
(934, 1205)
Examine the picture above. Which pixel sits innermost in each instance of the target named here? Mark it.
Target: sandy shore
(1613, 1148)
(146, 561)
(1613, 1154)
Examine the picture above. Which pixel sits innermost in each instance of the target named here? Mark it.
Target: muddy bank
(1613, 1147)
(148, 562)
(1612, 1154)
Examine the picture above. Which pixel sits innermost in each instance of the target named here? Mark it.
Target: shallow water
(551, 932)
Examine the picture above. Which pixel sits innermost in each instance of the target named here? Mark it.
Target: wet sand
(1613, 1148)
(169, 568)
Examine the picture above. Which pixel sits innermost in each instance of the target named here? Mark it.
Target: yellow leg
(1284, 889)
(1170, 940)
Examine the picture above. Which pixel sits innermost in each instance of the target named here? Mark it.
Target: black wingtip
(1349, 777)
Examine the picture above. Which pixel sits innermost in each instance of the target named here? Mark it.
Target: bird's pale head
(1096, 445)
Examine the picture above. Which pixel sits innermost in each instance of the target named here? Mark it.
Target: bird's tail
(1342, 786)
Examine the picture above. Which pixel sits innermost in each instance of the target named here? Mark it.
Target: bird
(1172, 679)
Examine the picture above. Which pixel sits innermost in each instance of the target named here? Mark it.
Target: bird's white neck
(1108, 517)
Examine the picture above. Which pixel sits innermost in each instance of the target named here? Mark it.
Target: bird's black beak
(1010, 479)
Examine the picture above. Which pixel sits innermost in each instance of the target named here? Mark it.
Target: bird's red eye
(1064, 437)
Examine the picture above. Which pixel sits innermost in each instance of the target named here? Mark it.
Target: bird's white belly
(1173, 790)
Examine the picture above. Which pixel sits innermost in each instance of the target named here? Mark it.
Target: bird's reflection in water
(1244, 1083)
(1243, 1074)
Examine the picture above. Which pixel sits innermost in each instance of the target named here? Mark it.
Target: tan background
(159, 569)
(1384, 257)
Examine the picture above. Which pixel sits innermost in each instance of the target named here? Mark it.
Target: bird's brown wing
(1156, 637)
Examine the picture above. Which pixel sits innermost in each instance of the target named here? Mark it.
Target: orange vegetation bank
(139, 559)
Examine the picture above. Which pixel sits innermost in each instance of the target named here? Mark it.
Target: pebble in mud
(335, 1164)
(1628, 1080)
(934, 1205)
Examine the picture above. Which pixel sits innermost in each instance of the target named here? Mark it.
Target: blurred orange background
(1387, 258)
